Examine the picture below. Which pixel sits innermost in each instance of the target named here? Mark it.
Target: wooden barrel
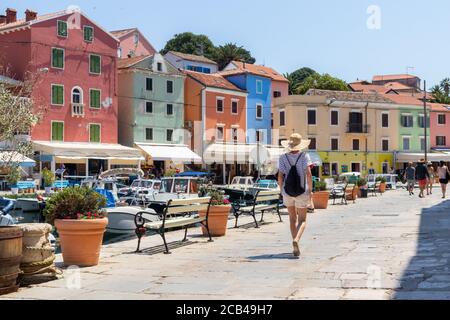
(10, 257)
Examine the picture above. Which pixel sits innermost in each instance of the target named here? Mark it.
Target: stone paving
(386, 247)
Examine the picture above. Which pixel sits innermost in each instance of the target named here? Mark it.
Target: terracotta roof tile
(23, 22)
(255, 69)
(396, 86)
(214, 80)
(363, 87)
(392, 77)
(128, 62)
(192, 57)
(121, 33)
(351, 96)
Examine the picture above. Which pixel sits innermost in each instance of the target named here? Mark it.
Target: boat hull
(121, 219)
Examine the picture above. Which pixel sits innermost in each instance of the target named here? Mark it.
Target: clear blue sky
(328, 36)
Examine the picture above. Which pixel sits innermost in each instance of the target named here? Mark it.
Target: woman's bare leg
(302, 213)
(293, 221)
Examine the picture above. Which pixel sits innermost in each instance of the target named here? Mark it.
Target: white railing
(77, 110)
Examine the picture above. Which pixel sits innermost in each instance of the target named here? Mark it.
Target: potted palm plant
(49, 180)
(218, 214)
(13, 178)
(382, 181)
(320, 196)
(77, 215)
(362, 188)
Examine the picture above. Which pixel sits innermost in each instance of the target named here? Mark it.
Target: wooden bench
(181, 213)
(373, 188)
(263, 201)
(338, 192)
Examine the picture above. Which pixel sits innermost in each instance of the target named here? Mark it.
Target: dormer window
(159, 66)
(88, 33)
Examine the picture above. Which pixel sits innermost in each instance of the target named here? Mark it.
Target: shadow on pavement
(427, 275)
(161, 249)
(280, 256)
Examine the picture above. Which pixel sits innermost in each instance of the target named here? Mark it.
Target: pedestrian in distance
(410, 176)
(295, 179)
(422, 176)
(431, 173)
(444, 177)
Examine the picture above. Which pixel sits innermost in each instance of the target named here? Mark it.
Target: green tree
(323, 82)
(188, 42)
(297, 77)
(441, 93)
(229, 52)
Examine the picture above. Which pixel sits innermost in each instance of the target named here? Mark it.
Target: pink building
(439, 126)
(133, 43)
(74, 61)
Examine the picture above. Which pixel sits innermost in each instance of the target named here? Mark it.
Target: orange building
(215, 111)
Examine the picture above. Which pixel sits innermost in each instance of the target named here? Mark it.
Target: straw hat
(422, 161)
(296, 143)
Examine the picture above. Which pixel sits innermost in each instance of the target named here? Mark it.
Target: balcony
(358, 128)
(77, 110)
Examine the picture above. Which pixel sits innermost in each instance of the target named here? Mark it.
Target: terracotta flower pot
(383, 187)
(217, 220)
(354, 195)
(320, 199)
(81, 240)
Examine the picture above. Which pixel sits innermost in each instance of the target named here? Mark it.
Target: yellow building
(351, 131)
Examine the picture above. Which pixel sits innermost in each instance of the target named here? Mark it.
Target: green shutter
(62, 28)
(95, 98)
(57, 58)
(94, 133)
(57, 94)
(94, 65)
(57, 131)
(88, 33)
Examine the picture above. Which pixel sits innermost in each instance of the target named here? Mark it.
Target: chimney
(11, 15)
(2, 19)
(30, 15)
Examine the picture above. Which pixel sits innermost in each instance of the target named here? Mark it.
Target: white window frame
(223, 104)
(136, 38)
(93, 37)
(331, 167)
(237, 104)
(262, 111)
(437, 119)
(407, 115)
(279, 117)
(258, 81)
(356, 162)
(331, 143)
(237, 133)
(409, 143)
(441, 145)
(100, 132)
(145, 107)
(64, 58)
(389, 119)
(307, 119)
(310, 138)
(217, 132)
(173, 87)
(389, 144)
(97, 55)
(51, 94)
(339, 117)
(51, 130)
(153, 132)
(420, 142)
(93, 108)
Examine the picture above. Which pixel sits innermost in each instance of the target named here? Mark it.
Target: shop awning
(175, 153)
(236, 153)
(85, 150)
(12, 157)
(415, 157)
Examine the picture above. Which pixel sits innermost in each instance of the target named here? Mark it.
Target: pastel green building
(412, 129)
(151, 101)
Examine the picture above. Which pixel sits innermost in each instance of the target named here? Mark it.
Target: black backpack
(292, 184)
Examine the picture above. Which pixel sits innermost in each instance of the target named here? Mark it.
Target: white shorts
(302, 201)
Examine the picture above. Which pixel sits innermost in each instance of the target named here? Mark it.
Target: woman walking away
(410, 175)
(431, 173)
(295, 177)
(444, 176)
(422, 176)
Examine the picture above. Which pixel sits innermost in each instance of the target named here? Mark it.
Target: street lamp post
(425, 118)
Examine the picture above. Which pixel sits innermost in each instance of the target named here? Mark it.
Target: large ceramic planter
(382, 187)
(217, 220)
(320, 199)
(354, 195)
(81, 240)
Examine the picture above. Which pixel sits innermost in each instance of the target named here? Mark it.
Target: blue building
(259, 101)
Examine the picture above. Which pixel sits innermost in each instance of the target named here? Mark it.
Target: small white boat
(121, 219)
